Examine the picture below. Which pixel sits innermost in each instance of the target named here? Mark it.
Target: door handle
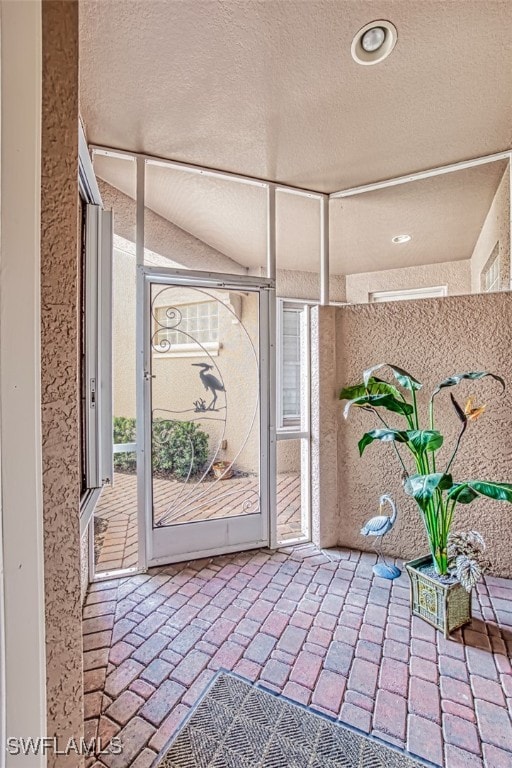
(148, 375)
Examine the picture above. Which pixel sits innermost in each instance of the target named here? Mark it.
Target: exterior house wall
(496, 230)
(60, 378)
(162, 237)
(431, 338)
(296, 284)
(324, 469)
(456, 275)
(235, 361)
(178, 385)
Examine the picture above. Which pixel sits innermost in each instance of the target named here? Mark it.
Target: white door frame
(302, 431)
(245, 532)
(23, 651)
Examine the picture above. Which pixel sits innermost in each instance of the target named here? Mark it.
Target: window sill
(192, 350)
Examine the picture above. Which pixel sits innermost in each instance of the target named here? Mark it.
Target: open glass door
(207, 403)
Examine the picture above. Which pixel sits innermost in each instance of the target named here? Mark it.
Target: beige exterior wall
(324, 428)
(436, 338)
(456, 275)
(163, 237)
(178, 385)
(60, 378)
(294, 284)
(496, 230)
(123, 333)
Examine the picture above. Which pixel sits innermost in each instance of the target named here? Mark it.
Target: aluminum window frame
(408, 294)
(301, 431)
(493, 265)
(97, 255)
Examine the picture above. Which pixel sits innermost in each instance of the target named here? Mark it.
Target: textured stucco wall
(496, 229)
(456, 275)
(432, 339)
(324, 427)
(295, 284)
(162, 236)
(60, 389)
(84, 565)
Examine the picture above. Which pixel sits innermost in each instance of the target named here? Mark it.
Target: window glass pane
(292, 374)
(198, 322)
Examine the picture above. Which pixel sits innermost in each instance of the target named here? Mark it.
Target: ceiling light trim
(366, 57)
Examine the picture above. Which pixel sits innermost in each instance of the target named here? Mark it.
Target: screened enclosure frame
(142, 160)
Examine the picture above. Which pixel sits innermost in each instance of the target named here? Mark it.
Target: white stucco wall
(456, 275)
(495, 230)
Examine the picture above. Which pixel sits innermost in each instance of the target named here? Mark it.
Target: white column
(24, 668)
(324, 428)
(324, 250)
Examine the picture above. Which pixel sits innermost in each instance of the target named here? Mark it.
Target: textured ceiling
(443, 214)
(269, 89)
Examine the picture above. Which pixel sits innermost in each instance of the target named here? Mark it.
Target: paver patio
(116, 512)
(315, 626)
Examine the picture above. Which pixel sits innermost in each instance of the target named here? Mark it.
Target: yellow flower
(473, 413)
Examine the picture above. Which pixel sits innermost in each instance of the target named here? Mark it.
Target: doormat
(239, 725)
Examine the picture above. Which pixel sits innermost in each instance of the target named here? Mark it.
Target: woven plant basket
(446, 606)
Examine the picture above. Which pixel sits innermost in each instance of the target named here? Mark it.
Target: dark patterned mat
(238, 725)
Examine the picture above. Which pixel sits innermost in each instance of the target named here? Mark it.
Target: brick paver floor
(315, 626)
(116, 512)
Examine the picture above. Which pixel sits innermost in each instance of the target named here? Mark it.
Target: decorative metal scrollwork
(195, 489)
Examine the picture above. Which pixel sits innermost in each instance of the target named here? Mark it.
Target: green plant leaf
(425, 439)
(388, 402)
(452, 381)
(374, 387)
(404, 379)
(462, 493)
(385, 435)
(465, 493)
(458, 410)
(423, 487)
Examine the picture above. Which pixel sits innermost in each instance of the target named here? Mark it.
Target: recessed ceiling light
(372, 39)
(374, 42)
(401, 239)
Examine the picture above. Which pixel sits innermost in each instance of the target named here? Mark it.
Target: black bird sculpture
(211, 383)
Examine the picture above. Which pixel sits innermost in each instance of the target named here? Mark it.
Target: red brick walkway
(316, 626)
(115, 540)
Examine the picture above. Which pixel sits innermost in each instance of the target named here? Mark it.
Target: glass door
(207, 402)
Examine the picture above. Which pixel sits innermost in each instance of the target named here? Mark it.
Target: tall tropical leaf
(385, 435)
(459, 411)
(404, 379)
(374, 387)
(465, 493)
(462, 493)
(425, 439)
(423, 487)
(388, 402)
(452, 381)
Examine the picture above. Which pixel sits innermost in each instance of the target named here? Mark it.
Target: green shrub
(124, 432)
(176, 446)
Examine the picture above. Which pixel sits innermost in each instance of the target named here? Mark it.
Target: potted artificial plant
(441, 582)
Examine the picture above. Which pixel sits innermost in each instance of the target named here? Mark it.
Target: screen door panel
(208, 480)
